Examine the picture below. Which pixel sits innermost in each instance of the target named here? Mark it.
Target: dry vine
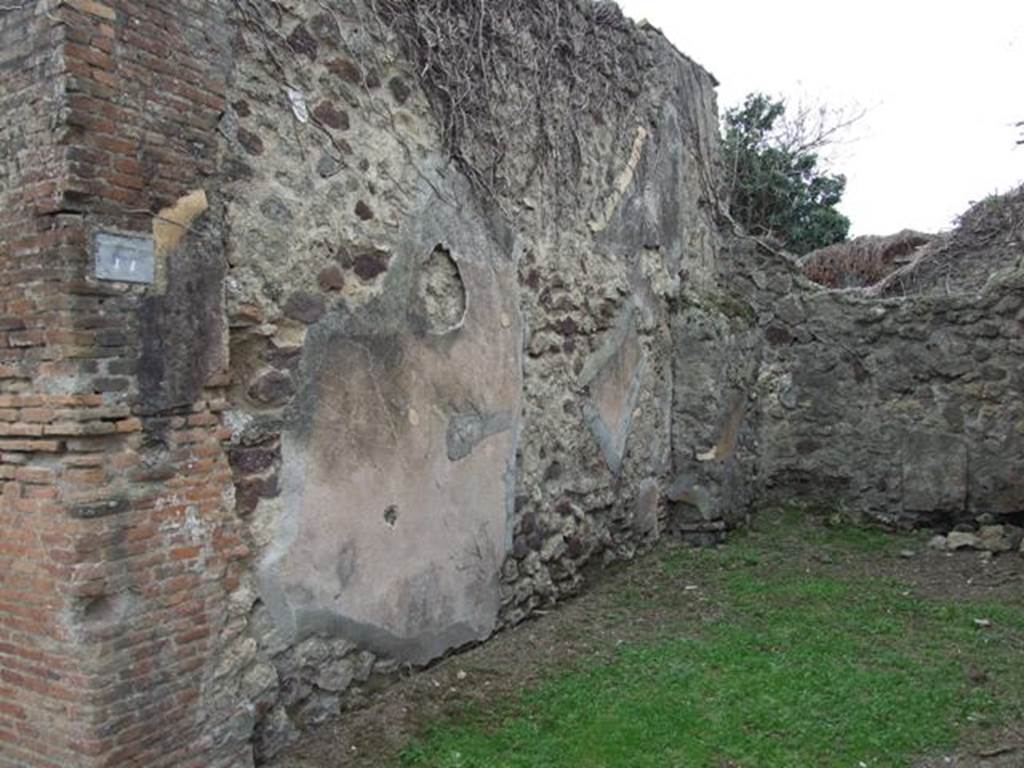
(518, 78)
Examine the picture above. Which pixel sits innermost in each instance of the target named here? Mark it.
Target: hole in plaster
(441, 293)
(106, 609)
(1012, 518)
(391, 515)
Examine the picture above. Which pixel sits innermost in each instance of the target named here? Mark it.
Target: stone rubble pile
(995, 539)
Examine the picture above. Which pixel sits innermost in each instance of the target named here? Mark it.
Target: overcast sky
(943, 83)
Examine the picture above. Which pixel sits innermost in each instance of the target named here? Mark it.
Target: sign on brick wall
(124, 259)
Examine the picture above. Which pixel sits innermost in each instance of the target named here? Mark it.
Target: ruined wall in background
(902, 410)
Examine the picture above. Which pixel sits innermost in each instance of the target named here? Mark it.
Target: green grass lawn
(797, 670)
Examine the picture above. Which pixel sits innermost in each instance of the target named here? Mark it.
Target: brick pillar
(118, 541)
(40, 684)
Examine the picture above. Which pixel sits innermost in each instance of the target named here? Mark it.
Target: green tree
(775, 184)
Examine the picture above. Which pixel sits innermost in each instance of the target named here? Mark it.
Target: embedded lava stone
(331, 116)
(369, 265)
(301, 41)
(364, 211)
(331, 278)
(304, 307)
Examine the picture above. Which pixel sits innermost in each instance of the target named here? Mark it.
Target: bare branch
(810, 128)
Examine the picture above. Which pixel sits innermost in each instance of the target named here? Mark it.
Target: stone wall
(301, 389)
(903, 410)
(445, 402)
(291, 400)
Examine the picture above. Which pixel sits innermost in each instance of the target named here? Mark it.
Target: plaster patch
(612, 377)
(622, 181)
(398, 463)
(171, 224)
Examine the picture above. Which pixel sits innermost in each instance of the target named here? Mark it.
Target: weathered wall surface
(399, 449)
(37, 655)
(445, 403)
(116, 510)
(353, 404)
(717, 354)
(904, 410)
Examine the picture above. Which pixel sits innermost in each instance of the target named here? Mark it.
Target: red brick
(91, 56)
(74, 526)
(40, 415)
(85, 476)
(20, 430)
(185, 553)
(94, 8)
(35, 475)
(21, 401)
(30, 446)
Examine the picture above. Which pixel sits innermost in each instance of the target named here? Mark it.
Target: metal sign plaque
(125, 259)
